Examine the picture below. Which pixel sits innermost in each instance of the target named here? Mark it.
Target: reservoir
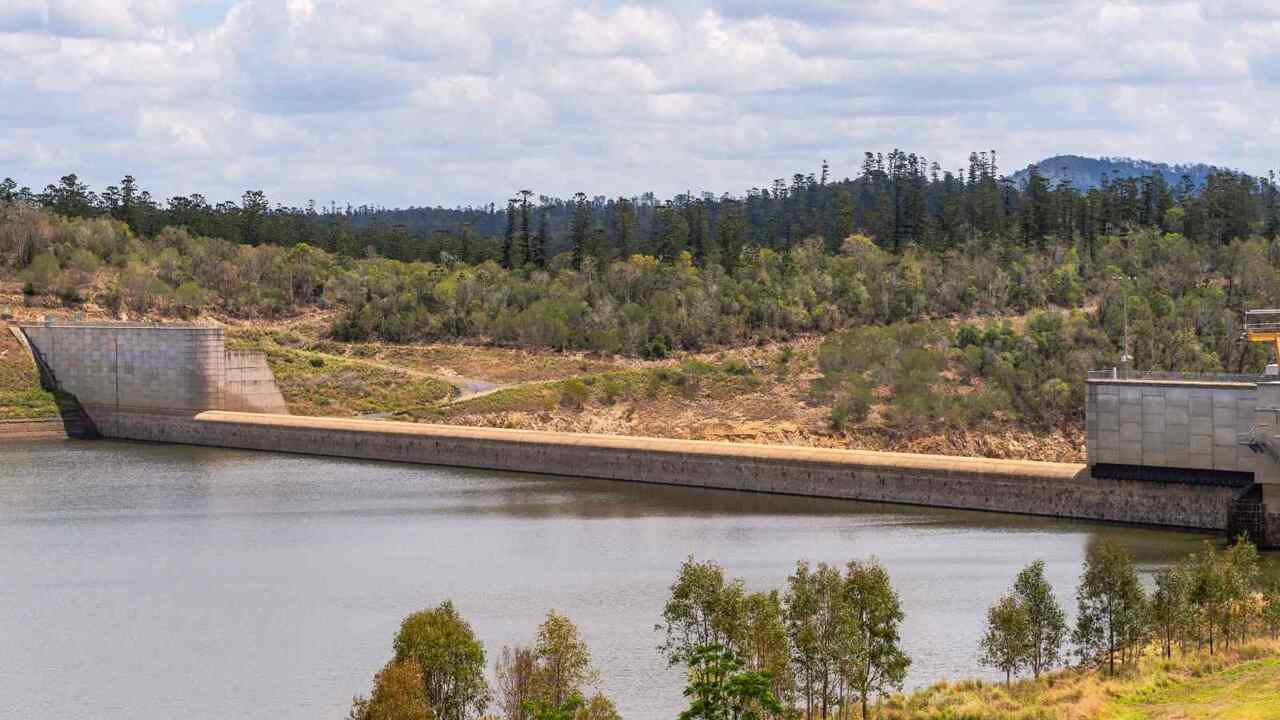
(147, 581)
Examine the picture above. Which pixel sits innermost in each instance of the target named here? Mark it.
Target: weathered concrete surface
(249, 385)
(52, 428)
(1191, 425)
(176, 369)
(1053, 489)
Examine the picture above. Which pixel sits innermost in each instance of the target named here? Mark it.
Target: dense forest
(899, 199)
(883, 265)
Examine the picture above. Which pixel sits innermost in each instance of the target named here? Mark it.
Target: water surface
(148, 582)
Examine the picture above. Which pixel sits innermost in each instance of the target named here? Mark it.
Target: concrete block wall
(250, 385)
(175, 369)
(1171, 424)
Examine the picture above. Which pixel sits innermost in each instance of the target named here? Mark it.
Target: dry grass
(315, 383)
(1242, 684)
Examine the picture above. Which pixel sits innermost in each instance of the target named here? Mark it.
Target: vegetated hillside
(903, 308)
(1086, 173)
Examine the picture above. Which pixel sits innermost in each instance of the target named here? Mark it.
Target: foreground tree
(1006, 645)
(698, 612)
(1112, 615)
(450, 658)
(1046, 621)
(515, 675)
(821, 634)
(1171, 615)
(563, 661)
(720, 689)
(879, 664)
(397, 695)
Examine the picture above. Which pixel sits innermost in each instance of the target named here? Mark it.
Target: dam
(1175, 452)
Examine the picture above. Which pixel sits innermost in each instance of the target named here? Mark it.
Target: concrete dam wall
(179, 384)
(120, 370)
(1035, 488)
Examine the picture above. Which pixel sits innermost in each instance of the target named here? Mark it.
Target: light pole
(1125, 357)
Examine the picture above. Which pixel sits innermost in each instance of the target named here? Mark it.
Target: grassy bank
(317, 383)
(20, 393)
(1238, 684)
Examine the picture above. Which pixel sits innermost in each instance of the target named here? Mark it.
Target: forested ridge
(897, 268)
(899, 199)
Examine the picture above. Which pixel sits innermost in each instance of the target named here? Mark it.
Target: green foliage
(844, 633)
(1113, 611)
(41, 275)
(450, 658)
(1046, 621)
(721, 689)
(1006, 643)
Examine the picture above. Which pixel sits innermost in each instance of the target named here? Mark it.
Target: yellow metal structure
(1263, 326)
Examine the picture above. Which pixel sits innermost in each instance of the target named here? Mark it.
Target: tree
(1046, 622)
(1170, 606)
(598, 707)
(719, 688)
(1112, 605)
(397, 695)
(42, 274)
(451, 660)
(879, 664)
(515, 674)
(580, 227)
(1007, 642)
(538, 248)
(820, 634)
(695, 614)
(509, 237)
(253, 210)
(564, 663)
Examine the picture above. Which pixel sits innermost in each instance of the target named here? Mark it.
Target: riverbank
(1242, 683)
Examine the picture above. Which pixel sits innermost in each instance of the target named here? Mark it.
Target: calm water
(141, 581)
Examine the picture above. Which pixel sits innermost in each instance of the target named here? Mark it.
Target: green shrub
(852, 407)
(611, 390)
(316, 362)
(574, 394)
(737, 366)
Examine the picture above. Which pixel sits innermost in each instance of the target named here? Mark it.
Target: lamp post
(1125, 357)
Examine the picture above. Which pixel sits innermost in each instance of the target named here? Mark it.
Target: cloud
(463, 101)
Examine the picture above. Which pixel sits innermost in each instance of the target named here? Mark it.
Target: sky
(426, 102)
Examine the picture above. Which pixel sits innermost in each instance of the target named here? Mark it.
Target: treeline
(900, 199)
(827, 645)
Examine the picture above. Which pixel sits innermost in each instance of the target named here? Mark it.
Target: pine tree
(508, 237)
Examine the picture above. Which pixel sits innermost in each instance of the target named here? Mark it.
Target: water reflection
(152, 581)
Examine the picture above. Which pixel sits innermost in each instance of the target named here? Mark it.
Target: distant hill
(1085, 173)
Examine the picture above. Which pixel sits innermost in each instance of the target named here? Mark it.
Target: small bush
(574, 394)
(612, 390)
(317, 362)
(737, 366)
(852, 408)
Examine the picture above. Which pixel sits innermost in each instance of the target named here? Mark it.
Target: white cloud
(438, 101)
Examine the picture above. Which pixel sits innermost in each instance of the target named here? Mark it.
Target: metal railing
(1156, 375)
(1262, 320)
